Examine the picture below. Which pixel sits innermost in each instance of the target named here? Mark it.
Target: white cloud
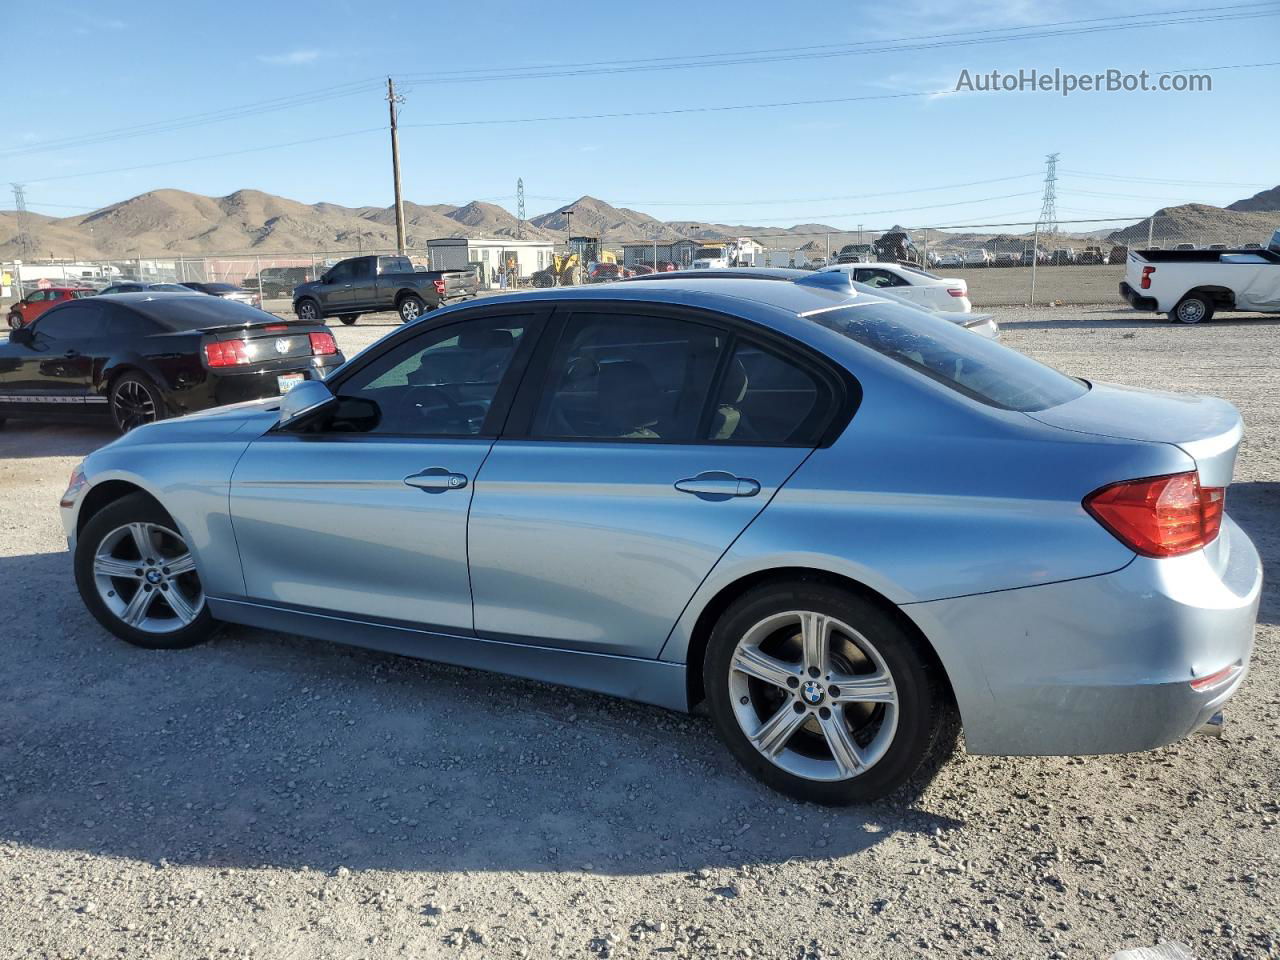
(293, 58)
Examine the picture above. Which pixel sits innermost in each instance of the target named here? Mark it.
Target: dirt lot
(267, 796)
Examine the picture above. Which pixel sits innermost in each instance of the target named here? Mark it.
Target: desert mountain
(1198, 223)
(1259, 202)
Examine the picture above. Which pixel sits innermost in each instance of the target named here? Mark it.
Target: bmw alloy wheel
(146, 577)
(813, 696)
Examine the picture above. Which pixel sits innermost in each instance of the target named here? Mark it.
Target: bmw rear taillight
(323, 344)
(957, 292)
(1145, 282)
(227, 353)
(439, 285)
(1160, 516)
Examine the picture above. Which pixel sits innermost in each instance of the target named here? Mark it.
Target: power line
(198, 119)
(891, 46)
(1161, 180)
(1241, 11)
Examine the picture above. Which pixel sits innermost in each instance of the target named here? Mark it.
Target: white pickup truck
(1190, 285)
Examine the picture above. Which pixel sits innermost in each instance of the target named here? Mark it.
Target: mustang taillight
(323, 344)
(227, 353)
(1160, 516)
(1145, 282)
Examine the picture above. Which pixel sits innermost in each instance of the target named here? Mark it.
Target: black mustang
(138, 357)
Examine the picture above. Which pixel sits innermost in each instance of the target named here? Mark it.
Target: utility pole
(392, 102)
(568, 223)
(520, 208)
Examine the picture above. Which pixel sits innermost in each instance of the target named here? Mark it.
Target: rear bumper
(1102, 664)
(237, 387)
(1136, 300)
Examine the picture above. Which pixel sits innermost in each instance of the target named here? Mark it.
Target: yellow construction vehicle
(566, 270)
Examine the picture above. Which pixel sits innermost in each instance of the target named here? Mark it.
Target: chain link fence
(1080, 261)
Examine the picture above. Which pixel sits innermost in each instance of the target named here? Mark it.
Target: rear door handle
(436, 480)
(718, 485)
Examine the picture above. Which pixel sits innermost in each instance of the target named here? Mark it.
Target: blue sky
(113, 66)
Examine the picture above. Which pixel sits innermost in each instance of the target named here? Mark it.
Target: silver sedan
(846, 525)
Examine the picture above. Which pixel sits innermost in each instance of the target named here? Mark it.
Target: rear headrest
(484, 339)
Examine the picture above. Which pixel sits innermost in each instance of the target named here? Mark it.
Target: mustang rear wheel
(135, 400)
(821, 695)
(138, 578)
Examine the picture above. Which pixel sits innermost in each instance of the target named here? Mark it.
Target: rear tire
(308, 310)
(1193, 308)
(349, 318)
(798, 731)
(135, 401)
(136, 530)
(411, 308)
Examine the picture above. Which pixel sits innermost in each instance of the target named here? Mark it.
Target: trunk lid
(1207, 429)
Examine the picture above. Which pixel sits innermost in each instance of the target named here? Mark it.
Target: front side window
(77, 320)
(442, 382)
(972, 365)
(615, 377)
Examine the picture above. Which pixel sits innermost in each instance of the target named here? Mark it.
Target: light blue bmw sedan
(840, 522)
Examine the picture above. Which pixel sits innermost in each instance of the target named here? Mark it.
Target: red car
(37, 302)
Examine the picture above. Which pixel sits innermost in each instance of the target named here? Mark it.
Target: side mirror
(308, 397)
(22, 335)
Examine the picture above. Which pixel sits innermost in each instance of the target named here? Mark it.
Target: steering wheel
(418, 398)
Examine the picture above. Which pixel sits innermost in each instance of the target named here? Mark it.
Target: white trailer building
(489, 255)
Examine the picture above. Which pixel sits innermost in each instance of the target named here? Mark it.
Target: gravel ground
(266, 796)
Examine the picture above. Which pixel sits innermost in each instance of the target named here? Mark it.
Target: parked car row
(1045, 256)
(38, 301)
(136, 357)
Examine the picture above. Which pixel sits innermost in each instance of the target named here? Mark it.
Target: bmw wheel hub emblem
(812, 693)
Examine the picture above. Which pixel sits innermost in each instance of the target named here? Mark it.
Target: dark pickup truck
(373, 284)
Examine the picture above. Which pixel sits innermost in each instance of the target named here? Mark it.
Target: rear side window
(968, 363)
(615, 377)
(766, 398)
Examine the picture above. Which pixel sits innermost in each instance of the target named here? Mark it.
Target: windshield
(972, 365)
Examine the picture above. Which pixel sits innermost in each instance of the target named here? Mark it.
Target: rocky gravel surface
(271, 797)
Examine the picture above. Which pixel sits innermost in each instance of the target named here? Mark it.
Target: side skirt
(648, 681)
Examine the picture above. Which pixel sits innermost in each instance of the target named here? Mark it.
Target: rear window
(960, 359)
(197, 311)
(219, 287)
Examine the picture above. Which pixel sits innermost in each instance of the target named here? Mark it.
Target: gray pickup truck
(373, 284)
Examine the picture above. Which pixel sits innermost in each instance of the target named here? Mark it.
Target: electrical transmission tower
(20, 206)
(520, 208)
(1049, 208)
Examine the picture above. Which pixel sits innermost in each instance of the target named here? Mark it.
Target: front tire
(1193, 308)
(135, 401)
(15, 321)
(349, 318)
(138, 578)
(411, 308)
(821, 695)
(308, 310)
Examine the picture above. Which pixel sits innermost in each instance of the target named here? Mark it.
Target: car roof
(809, 293)
(719, 273)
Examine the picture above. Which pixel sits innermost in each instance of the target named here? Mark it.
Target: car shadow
(1119, 319)
(1255, 505)
(30, 439)
(260, 748)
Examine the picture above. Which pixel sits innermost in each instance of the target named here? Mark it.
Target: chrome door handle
(718, 485)
(436, 480)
